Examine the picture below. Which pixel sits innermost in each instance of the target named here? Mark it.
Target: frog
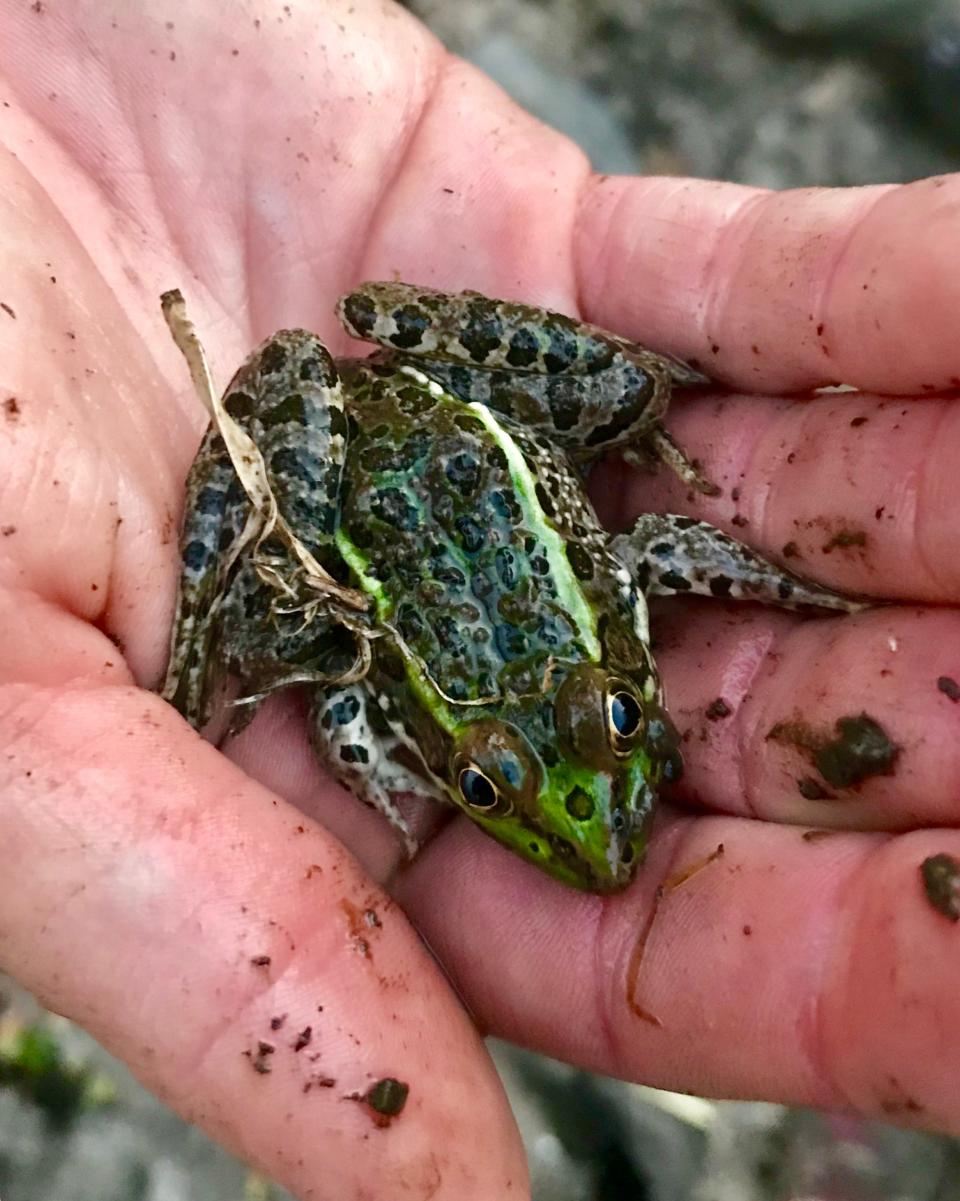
(435, 577)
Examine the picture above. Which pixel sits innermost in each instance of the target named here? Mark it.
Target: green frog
(434, 573)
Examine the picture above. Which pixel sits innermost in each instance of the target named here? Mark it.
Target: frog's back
(477, 541)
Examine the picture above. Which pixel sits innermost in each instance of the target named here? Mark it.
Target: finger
(779, 291)
(845, 722)
(486, 198)
(812, 972)
(856, 494)
(234, 956)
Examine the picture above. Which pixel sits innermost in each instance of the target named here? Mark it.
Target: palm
(263, 171)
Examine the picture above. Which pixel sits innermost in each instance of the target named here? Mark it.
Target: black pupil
(477, 789)
(624, 713)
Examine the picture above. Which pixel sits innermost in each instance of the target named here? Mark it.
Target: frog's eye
(478, 790)
(624, 718)
(493, 771)
(600, 717)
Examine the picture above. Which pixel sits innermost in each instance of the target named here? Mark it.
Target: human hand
(147, 878)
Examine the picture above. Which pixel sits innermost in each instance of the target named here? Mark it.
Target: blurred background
(779, 93)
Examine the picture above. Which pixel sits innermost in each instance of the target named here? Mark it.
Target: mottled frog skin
(496, 650)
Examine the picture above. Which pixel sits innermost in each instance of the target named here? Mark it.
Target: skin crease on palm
(264, 165)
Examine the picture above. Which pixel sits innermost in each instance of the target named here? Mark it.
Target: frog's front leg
(668, 555)
(240, 601)
(359, 746)
(585, 389)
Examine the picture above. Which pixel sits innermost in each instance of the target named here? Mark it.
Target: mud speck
(261, 960)
(949, 687)
(387, 1097)
(790, 550)
(260, 1059)
(717, 709)
(303, 1039)
(844, 539)
(11, 408)
(812, 790)
(818, 835)
(7, 309)
(860, 748)
(941, 882)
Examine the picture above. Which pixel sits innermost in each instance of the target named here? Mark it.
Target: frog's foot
(668, 554)
(358, 746)
(659, 446)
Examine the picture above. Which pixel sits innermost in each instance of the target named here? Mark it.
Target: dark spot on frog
(291, 408)
(210, 501)
(785, 589)
(387, 1098)
(941, 883)
(273, 358)
(685, 523)
(845, 538)
(341, 712)
(790, 550)
(482, 332)
(316, 370)
(949, 687)
(546, 502)
(239, 404)
(811, 790)
(673, 579)
(463, 472)
(720, 585)
(393, 508)
(472, 535)
(360, 312)
(354, 753)
(860, 749)
(524, 348)
(11, 406)
(561, 350)
(580, 561)
(580, 805)
(196, 554)
(717, 709)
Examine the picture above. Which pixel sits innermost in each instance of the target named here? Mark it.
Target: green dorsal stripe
(568, 588)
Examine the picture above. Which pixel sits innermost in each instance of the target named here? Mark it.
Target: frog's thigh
(288, 397)
(668, 554)
(361, 757)
(213, 514)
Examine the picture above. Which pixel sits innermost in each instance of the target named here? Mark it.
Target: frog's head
(568, 780)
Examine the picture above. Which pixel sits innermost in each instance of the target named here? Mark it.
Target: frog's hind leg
(668, 555)
(368, 755)
(287, 398)
(213, 515)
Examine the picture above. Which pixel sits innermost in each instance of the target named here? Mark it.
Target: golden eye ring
(477, 789)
